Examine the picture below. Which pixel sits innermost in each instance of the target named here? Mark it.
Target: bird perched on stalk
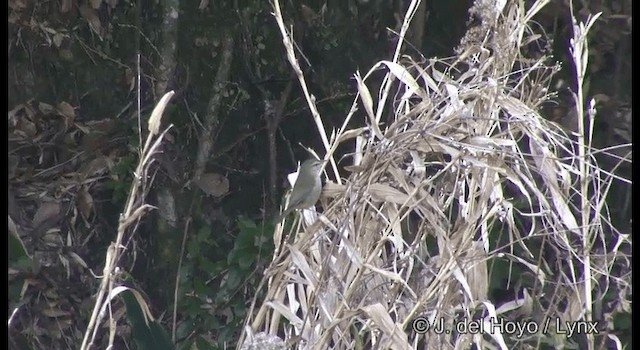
(307, 188)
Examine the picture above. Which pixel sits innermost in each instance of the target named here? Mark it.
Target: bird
(307, 188)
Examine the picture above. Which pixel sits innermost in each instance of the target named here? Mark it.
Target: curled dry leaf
(68, 112)
(213, 184)
(78, 259)
(156, 115)
(367, 101)
(401, 73)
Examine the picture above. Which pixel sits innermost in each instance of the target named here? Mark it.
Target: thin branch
(211, 119)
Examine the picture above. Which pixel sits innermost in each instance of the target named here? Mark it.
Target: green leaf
(200, 287)
(148, 337)
(202, 344)
(193, 247)
(204, 234)
(184, 329)
(622, 322)
(234, 279)
(247, 261)
(16, 250)
(207, 265)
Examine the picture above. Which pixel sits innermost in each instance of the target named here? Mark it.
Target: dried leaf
(57, 39)
(401, 73)
(367, 101)
(354, 168)
(167, 206)
(213, 184)
(332, 190)
(428, 80)
(48, 211)
(397, 339)
(14, 116)
(68, 112)
(92, 18)
(298, 260)
(65, 6)
(99, 165)
(18, 4)
(78, 259)
(547, 169)
(385, 193)
(83, 128)
(203, 4)
(156, 115)
(350, 134)
(85, 203)
(27, 127)
(285, 312)
(496, 335)
(46, 108)
(48, 30)
(146, 311)
(53, 313)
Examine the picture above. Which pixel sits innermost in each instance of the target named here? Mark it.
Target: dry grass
(456, 174)
(134, 211)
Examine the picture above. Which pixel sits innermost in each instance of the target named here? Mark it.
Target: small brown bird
(307, 189)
